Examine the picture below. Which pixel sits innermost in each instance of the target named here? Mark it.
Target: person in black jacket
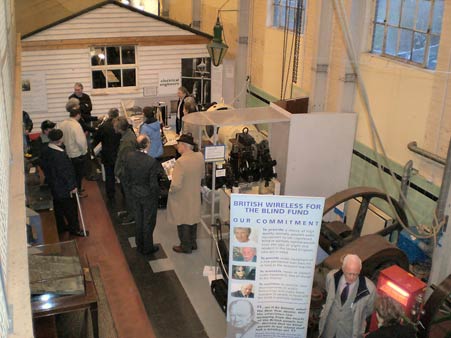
(85, 102)
(63, 184)
(27, 124)
(182, 93)
(142, 174)
(390, 319)
(110, 144)
(40, 145)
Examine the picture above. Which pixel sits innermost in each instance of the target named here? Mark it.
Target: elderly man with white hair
(350, 300)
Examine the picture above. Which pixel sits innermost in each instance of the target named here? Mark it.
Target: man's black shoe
(79, 233)
(150, 252)
(127, 220)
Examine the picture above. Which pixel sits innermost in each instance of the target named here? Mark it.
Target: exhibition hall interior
(225, 168)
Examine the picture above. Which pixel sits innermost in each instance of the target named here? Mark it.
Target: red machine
(403, 287)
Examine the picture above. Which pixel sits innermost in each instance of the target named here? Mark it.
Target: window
(408, 30)
(113, 67)
(285, 13)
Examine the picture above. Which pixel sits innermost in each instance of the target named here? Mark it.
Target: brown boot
(179, 249)
(185, 241)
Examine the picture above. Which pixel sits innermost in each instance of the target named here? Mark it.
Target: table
(48, 305)
(65, 304)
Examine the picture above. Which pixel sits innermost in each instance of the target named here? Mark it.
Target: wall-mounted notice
(215, 153)
(273, 244)
(34, 92)
(168, 82)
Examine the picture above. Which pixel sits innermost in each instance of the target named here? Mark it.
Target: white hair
(351, 258)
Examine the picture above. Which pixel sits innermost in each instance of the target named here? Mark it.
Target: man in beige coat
(184, 204)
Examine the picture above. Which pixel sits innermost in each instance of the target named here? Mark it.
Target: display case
(55, 270)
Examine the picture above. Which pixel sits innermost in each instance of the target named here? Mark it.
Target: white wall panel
(63, 68)
(109, 21)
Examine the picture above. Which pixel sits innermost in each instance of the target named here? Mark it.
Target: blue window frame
(408, 30)
(285, 12)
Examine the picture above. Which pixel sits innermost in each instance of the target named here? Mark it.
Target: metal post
(196, 14)
(241, 63)
(405, 181)
(213, 192)
(81, 214)
(441, 264)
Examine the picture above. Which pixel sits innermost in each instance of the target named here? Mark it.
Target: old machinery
(337, 234)
(436, 320)
(248, 162)
(402, 287)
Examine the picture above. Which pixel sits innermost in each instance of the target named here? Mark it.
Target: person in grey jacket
(126, 145)
(350, 300)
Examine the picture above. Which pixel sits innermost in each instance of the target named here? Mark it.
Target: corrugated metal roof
(33, 16)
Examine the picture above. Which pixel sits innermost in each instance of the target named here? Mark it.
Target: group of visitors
(134, 161)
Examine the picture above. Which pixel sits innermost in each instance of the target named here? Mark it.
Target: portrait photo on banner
(244, 254)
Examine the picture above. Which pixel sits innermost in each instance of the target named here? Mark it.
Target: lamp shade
(217, 48)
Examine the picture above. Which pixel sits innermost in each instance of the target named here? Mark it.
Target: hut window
(113, 66)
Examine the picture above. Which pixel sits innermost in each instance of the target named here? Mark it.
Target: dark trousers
(178, 125)
(128, 203)
(66, 214)
(145, 218)
(79, 164)
(187, 236)
(110, 180)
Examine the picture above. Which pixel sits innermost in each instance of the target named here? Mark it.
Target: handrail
(412, 146)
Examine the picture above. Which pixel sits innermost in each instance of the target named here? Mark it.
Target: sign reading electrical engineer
(273, 244)
(168, 83)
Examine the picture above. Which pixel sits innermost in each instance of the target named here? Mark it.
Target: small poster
(168, 82)
(215, 153)
(273, 245)
(196, 78)
(34, 92)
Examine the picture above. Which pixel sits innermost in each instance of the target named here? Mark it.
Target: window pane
(97, 56)
(291, 16)
(113, 56)
(405, 44)
(114, 78)
(424, 9)
(419, 44)
(380, 10)
(408, 13)
(395, 10)
(275, 20)
(282, 17)
(128, 55)
(378, 38)
(129, 77)
(433, 51)
(437, 17)
(392, 40)
(98, 79)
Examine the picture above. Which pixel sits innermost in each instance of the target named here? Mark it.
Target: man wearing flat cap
(184, 204)
(40, 146)
(61, 179)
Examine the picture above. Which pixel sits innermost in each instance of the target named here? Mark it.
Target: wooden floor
(103, 250)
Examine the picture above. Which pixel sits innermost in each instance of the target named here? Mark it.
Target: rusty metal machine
(337, 234)
(404, 288)
(435, 321)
